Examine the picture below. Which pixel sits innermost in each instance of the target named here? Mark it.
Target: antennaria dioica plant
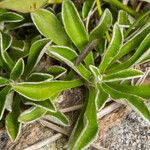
(67, 40)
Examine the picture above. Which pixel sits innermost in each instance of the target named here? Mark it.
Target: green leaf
(3, 94)
(56, 71)
(113, 48)
(87, 5)
(47, 104)
(9, 100)
(18, 44)
(19, 49)
(32, 114)
(123, 19)
(3, 81)
(35, 113)
(102, 46)
(95, 71)
(18, 70)
(86, 127)
(75, 28)
(74, 25)
(38, 77)
(68, 56)
(103, 26)
(5, 42)
(123, 75)
(102, 98)
(22, 6)
(40, 91)
(10, 17)
(37, 50)
(141, 52)
(133, 43)
(13, 126)
(141, 91)
(57, 117)
(52, 27)
(145, 59)
(136, 102)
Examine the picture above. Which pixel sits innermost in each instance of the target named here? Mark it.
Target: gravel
(132, 133)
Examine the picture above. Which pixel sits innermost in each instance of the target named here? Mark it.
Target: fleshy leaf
(9, 101)
(10, 17)
(86, 128)
(145, 59)
(22, 6)
(57, 117)
(96, 73)
(18, 70)
(13, 126)
(56, 71)
(136, 102)
(94, 70)
(5, 41)
(86, 7)
(3, 94)
(103, 26)
(19, 49)
(102, 98)
(52, 27)
(113, 48)
(123, 75)
(75, 28)
(123, 19)
(74, 25)
(47, 104)
(37, 50)
(3, 81)
(32, 114)
(40, 91)
(18, 44)
(141, 52)
(133, 42)
(68, 56)
(38, 77)
(141, 91)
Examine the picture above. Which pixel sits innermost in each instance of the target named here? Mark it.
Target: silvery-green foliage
(66, 39)
(104, 81)
(18, 81)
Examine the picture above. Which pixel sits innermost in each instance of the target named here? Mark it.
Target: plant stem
(100, 13)
(124, 7)
(99, 7)
(85, 52)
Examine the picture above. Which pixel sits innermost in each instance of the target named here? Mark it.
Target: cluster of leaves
(28, 95)
(15, 72)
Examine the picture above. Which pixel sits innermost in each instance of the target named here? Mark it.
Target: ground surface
(120, 130)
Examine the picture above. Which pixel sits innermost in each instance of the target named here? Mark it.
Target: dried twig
(107, 110)
(142, 79)
(98, 147)
(73, 108)
(44, 142)
(53, 126)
